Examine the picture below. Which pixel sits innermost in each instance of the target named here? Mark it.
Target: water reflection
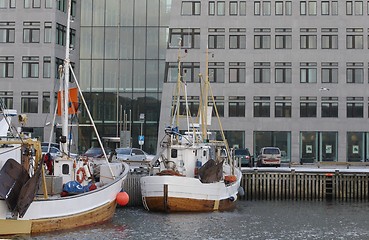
(250, 220)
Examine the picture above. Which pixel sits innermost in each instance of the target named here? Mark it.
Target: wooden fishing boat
(26, 209)
(69, 194)
(193, 172)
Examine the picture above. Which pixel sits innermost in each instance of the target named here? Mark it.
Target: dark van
(244, 156)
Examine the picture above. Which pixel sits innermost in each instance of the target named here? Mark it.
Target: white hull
(59, 208)
(188, 189)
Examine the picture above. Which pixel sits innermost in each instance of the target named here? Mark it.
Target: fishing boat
(193, 172)
(39, 195)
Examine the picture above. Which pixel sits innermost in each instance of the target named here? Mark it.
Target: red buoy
(122, 198)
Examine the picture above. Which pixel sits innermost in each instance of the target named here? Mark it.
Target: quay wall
(286, 185)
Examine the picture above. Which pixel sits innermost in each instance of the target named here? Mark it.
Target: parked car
(269, 156)
(244, 156)
(96, 152)
(134, 157)
(55, 152)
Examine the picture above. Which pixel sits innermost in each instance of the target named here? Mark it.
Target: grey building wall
(294, 124)
(19, 14)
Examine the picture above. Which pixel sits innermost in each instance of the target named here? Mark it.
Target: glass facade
(281, 139)
(318, 146)
(122, 62)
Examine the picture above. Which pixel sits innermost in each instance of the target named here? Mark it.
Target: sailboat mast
(204, 101)
(66, 82)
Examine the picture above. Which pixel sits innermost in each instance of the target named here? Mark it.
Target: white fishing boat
(193, 172)
(67, 195)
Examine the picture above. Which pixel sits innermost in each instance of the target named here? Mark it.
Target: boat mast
(204, 100)
(65, 96)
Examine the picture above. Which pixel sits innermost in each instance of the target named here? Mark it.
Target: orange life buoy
(81, 178)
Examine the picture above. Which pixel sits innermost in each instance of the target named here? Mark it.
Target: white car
(134, 157)
(55, 152)
(269, 156)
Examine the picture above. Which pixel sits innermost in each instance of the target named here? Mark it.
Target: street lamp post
(141, 138)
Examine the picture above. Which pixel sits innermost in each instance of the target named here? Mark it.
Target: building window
(58, 63)
(354, 42)
(312, 6)
(216, 41)
(216, 72)
(236, 106)
(31, 32)
(219, 105)
(233, 8)
(60, 34)
(278, 7)
(47, 32)
(220, 8)
(62, 5)
(308, 41)
(283, 39)
(334, 7)
(191, 8)
(329, 107)
(354, 7)
(47, 67)
(242, 6)
(261, 72)
(325, 7)
(7, 32)
(329, 72)
(190, 37)
(263, 7)
(308, 73)
(266, 8)
(32, 3)
(262, 41)
(283, 72)
(30, 66)
(236, 39)
(211, 10)
(257, 8)
(48, 3)
(283, 107)
(261, 106)
(6, 98)
(308, 107)
(329, 41)
(355, 107)
(193, 105)
(302, 7)
(46, 102)
(354, 73)
(6, 67)
(237, 72)
(189, 71)
(29, 102)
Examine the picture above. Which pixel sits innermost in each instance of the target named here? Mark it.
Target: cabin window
(173, 153)
(65, 169)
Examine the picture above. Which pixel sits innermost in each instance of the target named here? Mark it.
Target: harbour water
(250, 220)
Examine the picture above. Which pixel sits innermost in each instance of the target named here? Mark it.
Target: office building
(32, 47)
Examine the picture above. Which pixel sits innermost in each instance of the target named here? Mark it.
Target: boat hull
(173, 204)
(98, 215)
(61, 213)
(184, 194)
